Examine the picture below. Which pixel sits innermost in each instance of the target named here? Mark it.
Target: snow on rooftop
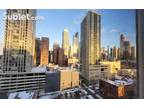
(118, 77)
(21, 95)
(42, 69)
(97, 95)
(39, 69)
(12, 95)
(124, 81)
(90, 97)
(118, 82)
(48, 69)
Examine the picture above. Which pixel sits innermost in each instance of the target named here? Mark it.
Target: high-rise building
(118, 53)
(90, 45)
(37, 52)
(133, 53)
(44, 51)
(103, 53)
(122, 39)
(61, 57)
(115, 54)
(125, 47)
(140, 52)
(108, 52)
(76, 45)
(111, 53)
(51, 56)
(70, 52)
(127, 50)
(65, 42)
(19, 46)
(55, 52)
(18, 54)
(56, 45)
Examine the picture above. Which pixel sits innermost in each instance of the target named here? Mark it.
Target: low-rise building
(72, 60)
(61, 80)
(105, 69)
(117, 88)
(127, 72)
(23, 81)
(114, 66)
(102, 71)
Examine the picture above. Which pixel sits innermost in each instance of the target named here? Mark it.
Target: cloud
(113, 31)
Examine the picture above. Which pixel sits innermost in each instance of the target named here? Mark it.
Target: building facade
(61, 80)
(118, 54)
(19, 42)
(114, 66)
(116, 89)
(133, 53)
(125, 48)
(65, 42)
(37, 52)
(61, 57)
(44, 59)
(51, 56)
(24, 81)
(115, 53)
(122, 39)
(90, 43)
(55, 52)
(19, 51)
(76, 45)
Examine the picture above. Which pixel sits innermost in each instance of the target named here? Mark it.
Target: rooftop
(123, 81)
(21, 95)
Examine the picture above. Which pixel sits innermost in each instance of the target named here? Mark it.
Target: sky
(113, 23)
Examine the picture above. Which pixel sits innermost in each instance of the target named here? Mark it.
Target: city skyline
(95, 72)
(113, 23)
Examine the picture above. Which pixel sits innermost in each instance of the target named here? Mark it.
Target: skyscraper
(65, 42)
(71, 51)
(140, 52)
(115, 54)
(122, 39)
(133, 53)
(90, 45)
(37, 51)
(19, 43)
(44, 51)
(51, 56)
(18, 54)
(55, 52)
(118, 53)
(61, 57)
(111, 52)
(126, 50)
(55, 45)
(125, 47)
(76, 45)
